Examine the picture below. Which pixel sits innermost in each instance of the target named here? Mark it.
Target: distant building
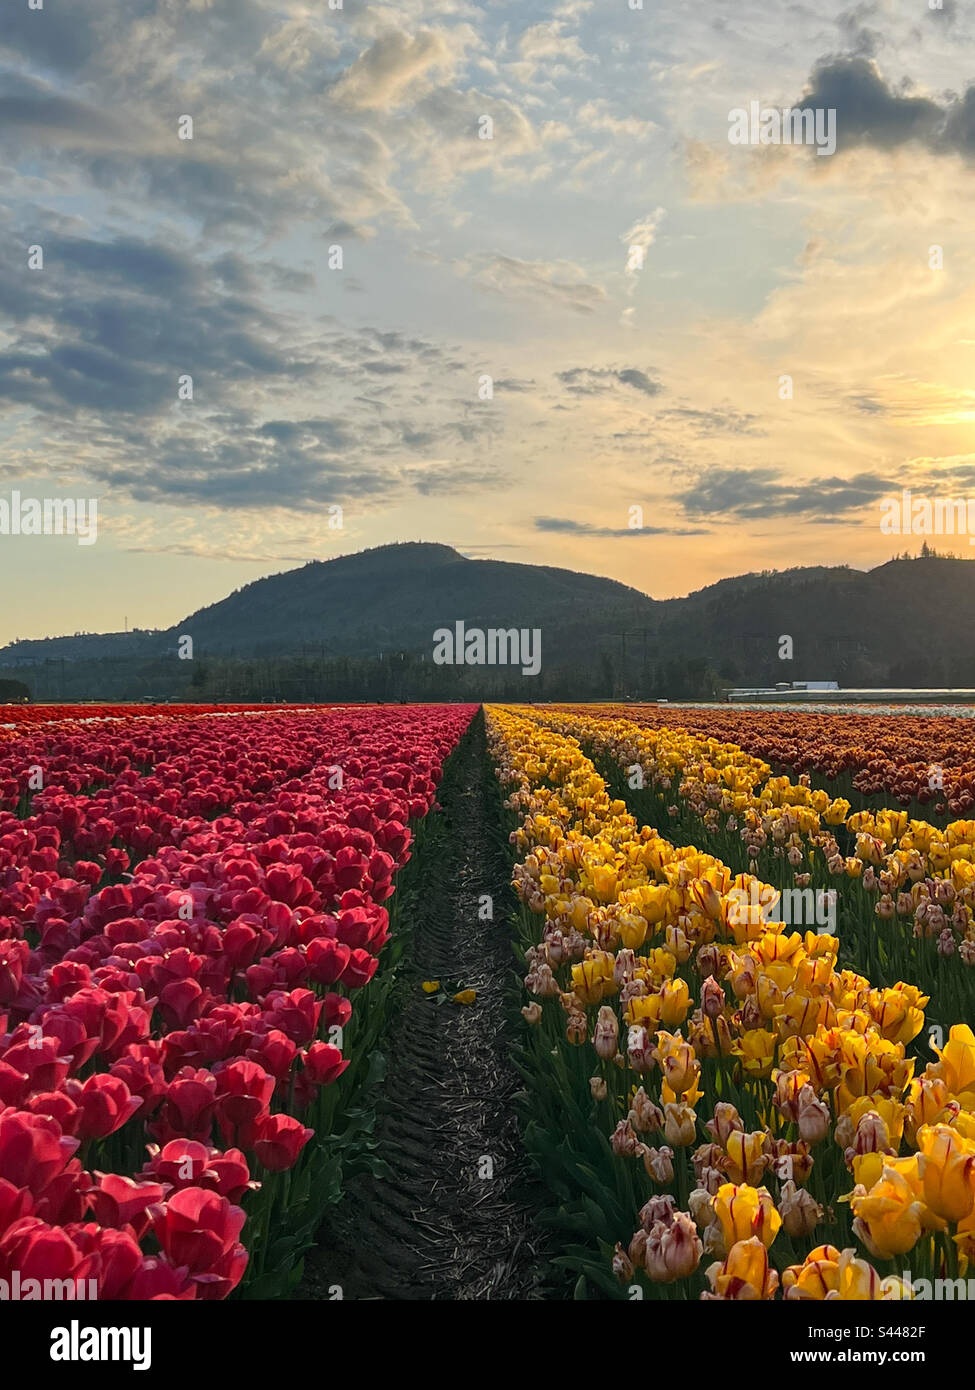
(829, 692)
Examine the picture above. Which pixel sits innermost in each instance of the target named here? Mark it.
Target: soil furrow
(457, 1221)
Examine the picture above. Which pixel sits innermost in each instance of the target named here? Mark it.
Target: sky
(533, 340)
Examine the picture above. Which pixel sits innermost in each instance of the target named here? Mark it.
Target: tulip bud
(871, 1134)
(744, 978)
(707, 1156)
(624, 968)
(644, 1114)
(813, 1117)
(946, 943)
(637, 1249)
(712, 998)
(678, 943)
(680, 1125)
(575, 1029)
(713, 1242)
(726, 1119)
(673, 1251)
(711, 1179)
(624, 1141)
(751, 1013)
(799, 1210)
(606, 1033)
(639, 1049)
(659, 1210)
(659, 1164)
(788, 1087)
(546, 986)
(532, 1013)
(622, 1268)
(708, 960)
(700, 1206)
(597, 1088)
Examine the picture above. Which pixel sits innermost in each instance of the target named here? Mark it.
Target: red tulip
(327, 959)
(324, 1063)
(120, 1201)
(197, 1228)
(104, 1103)
(33, 1151)
(280, 1140)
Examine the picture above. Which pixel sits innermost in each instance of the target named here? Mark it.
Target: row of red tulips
(186, 906)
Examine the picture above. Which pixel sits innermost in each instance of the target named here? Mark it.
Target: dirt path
(442, 1227)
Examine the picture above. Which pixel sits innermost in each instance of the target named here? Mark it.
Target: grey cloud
(756, 494)
(869, 111)
(567, 527)
(514, 384)
(100, 337)
(592, 381)
(714, 421)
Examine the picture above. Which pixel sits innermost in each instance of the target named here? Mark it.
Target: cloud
(548, 47)
(638, 240)
(756, 494)
(558, 282)
(596, 115)
(97, 344)
(380, 77)
(566, 527)
(595, 381)
(706, 422)
(869, 111)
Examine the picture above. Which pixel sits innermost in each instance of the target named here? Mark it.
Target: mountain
(396, 596)
(910, 622)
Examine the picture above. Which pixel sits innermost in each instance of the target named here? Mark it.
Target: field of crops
(257, 1003)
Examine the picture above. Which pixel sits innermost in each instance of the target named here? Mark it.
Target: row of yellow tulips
(762, 1100)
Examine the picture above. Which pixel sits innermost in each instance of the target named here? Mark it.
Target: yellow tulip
(756, 1049)
(744, 1275)
(956, 1063)
(816, 1278)
(743, 1211)
(947, 1168)
(675, 1000)
(745, 1162)
(888, 1218)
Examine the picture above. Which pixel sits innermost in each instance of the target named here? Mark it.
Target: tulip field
(732, 1108)
(190, 906)
(718, 964)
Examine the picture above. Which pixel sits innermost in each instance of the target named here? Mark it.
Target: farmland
(450, 1001)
